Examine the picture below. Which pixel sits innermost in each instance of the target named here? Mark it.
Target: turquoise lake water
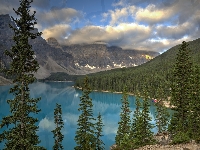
(108, 104)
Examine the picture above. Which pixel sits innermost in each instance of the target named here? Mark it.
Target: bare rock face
(53, 42)
(71, 59)
(101, 57)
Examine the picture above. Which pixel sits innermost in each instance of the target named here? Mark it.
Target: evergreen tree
(147, 133)
(58, 137)
(181, 90)
(162, 115)
(85, 138)
(99, 126)
(194, 112)
(124, 123)
(137, 124)
(23, 135)
(141, 133)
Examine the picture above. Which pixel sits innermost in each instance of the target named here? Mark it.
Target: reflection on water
(63, 93)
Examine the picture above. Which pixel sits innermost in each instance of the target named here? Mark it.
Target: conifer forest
(179, 86)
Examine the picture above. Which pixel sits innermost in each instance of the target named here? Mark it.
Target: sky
(154, 25)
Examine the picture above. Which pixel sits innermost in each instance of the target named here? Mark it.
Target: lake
(108, 104)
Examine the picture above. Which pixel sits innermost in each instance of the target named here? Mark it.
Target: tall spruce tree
(147, 126)
(58, 136)
(162, 115)
(23, 135)
(141, 133)
(137, 124)
(194, 112)
(85, 137)
(181, 98)
(99, 126)
(124, 123)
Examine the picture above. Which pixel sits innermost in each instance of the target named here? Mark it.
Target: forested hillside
(154, 72)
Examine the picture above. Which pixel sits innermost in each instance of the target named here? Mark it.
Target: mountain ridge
(152, 72)
(72, 59)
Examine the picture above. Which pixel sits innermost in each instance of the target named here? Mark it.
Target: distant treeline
(156, 72)
(61, 76)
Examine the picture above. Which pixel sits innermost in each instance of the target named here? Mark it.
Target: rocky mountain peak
(52, 41)
(72, 59)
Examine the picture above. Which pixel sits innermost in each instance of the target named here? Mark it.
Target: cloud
(46, 124)
(104, 17)
(58, 16)
(131, 24)
(41, 4)
(152, 15)
(119, 35)
(119, 15)
(71, 119)
(119, 3)
(7, 6)
(175, 32)
(59, 31)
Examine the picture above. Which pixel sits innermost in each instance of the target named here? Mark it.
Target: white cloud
(120, 35)
(119, 3)
(59, 31)
(71, 119)
(119, 15)
(166, 22)
(104, 16)
(58, 16)
(151, 14)
(46, 124)
(175, 32)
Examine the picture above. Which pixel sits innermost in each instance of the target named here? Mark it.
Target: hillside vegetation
(153, 72)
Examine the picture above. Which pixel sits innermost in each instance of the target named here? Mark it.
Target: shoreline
(166, 103)
(55, 81)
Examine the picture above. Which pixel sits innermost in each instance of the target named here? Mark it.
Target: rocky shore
(166, 103)
(4, 81)
(188, 146)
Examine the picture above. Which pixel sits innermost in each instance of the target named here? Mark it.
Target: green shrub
(180, 137)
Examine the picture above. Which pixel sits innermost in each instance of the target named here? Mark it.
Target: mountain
(151, 73)
(74, 59)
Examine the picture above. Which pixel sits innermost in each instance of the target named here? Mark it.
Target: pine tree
(99, 126)
(194, 112)
(137, 124)
(162, 115)
(85, 138)
(124, 123)
(147, 133)
(58, 137)
(23, 135)
(181, 94)
(141, 133)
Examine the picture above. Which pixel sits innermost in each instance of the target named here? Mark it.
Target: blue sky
(154, 25)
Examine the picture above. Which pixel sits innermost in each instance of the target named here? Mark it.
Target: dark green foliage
(162, 115)
(181, 137)
(141, 133)
(124, 123)
(137, 124)
(181, 90)
(147, 126)
(99, 126)
(194, 112)
(85, 138)
(157, 70)
(23, 135)
(61, 76)
(58, 136)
